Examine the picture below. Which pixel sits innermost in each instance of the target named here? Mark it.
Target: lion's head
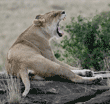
(50, 22)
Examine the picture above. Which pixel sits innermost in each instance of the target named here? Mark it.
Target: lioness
(32, 53)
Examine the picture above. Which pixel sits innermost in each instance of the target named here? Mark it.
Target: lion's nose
(63, 12)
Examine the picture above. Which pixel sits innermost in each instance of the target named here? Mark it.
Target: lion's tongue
(60, 31)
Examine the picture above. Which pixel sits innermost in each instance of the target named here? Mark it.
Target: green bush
(89, 40)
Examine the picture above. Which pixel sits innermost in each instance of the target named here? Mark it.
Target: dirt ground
(17, 15)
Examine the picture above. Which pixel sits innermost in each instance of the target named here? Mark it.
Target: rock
(62, 92)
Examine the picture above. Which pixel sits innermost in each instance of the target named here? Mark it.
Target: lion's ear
(39, 22)
(37, 17)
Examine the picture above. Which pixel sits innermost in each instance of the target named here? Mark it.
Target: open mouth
(59, 32)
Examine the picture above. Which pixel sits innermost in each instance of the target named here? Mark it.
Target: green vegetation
(89, 41)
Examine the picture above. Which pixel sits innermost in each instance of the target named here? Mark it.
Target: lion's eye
(37, 17)
(55, 14)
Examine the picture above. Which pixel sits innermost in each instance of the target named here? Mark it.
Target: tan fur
(31, 51)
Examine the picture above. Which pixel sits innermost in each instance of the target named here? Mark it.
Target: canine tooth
(64, 18)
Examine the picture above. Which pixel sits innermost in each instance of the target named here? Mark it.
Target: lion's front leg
(84, 72)
(78, 71)
(66, 65)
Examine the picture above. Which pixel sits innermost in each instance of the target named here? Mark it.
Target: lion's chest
(47, 52)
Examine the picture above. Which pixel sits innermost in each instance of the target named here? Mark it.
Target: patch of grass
(13, 91)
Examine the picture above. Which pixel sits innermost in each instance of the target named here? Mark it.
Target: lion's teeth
(64, 18)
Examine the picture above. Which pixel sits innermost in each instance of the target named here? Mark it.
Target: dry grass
(13, 90)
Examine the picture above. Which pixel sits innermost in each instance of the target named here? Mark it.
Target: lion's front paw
(87, 73)
(84, 72)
